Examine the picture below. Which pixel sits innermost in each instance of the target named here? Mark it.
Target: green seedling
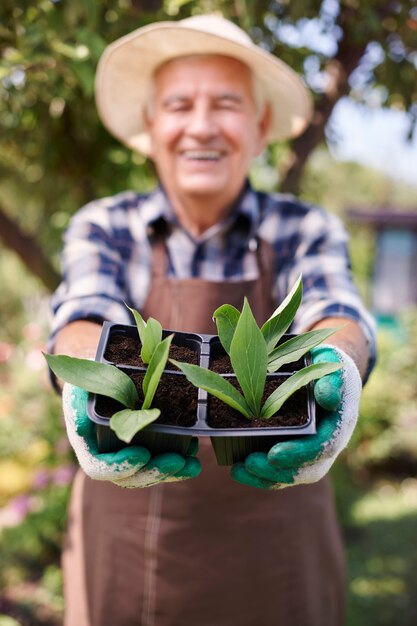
(109, 381)
(254, 352)
(227, 317)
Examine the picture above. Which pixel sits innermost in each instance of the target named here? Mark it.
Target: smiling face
(204, 129)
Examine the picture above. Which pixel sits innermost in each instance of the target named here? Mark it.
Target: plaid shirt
(107, 257)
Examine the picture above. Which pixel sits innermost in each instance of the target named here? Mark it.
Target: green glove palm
(130, 467)
(308, 459)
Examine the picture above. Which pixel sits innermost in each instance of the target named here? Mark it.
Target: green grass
(379, 522)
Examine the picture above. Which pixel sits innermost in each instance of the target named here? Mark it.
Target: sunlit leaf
(249, 358)
(226, 318)
(282, 317)
(95, 377)
(216, 385)
(154, 371)
(127, 423)
(296, 347)
(293, 383)
(152, 336)
(140, 323)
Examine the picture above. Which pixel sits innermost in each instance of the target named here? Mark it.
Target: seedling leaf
(150, 334)
(226, 318)
(127, 423)
(154, 371)
(151, 339)
(140, 323)
(295, 382)
(100, 378)
(282, 317)
(216, 385)
(249, 358)
(296, 347)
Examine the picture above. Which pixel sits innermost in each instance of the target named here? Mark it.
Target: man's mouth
(202, 155)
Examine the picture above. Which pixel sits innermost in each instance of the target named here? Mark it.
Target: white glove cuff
(346, 422)
(93, 466)
(349, 408)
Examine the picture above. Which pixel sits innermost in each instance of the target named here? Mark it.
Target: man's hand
(130, 467)
(308, 459)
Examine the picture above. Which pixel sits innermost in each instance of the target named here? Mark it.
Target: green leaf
(95, 377)
(226, 317)
(249, 358)
(127, 423)
(151, 339)
(154, 371)
(140, 323)
(216, 385)
(295, 382)
(150, 334)
(282, 317)
(293, 349)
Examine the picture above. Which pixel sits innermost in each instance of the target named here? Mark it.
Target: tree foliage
(54, 153)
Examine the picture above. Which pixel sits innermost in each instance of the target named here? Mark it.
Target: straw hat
(128, 64)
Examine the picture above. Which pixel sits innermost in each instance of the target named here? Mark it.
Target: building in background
(394, 283)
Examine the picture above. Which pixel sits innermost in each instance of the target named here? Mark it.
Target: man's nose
(202, 123)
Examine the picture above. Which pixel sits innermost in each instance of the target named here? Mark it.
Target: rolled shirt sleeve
(94, 273)
(314, 243)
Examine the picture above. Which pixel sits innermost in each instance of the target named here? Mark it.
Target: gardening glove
(129, 467)
(307, 459)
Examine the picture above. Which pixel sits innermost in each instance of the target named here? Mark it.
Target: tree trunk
(28, 250)
(339, 70)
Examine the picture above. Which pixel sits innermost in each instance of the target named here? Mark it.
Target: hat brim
(126, 68)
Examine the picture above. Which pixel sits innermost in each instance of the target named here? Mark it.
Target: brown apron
(207, 551)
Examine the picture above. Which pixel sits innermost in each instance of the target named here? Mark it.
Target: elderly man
(201, 101)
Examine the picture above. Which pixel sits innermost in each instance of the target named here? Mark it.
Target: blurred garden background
(55, 156)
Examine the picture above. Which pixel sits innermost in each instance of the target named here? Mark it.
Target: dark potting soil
(292, 413)
(126, 350)
(220, 363)
(175, 397)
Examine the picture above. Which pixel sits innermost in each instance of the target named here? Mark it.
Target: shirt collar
(156, 207)
(245, 214)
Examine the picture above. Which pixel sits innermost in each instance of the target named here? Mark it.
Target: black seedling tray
(230, 444)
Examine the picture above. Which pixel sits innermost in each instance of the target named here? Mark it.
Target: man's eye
(228, 105)
(174, 107)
